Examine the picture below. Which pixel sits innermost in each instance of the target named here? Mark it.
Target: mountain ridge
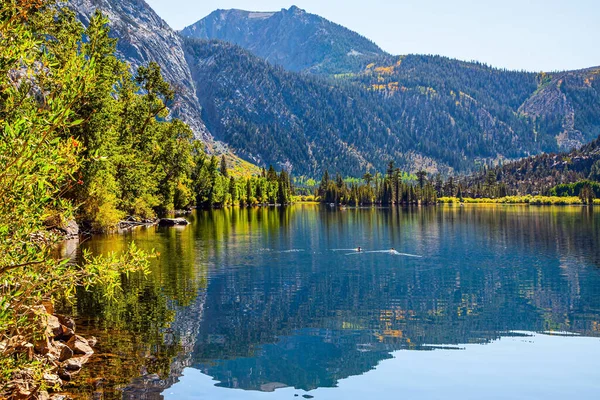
(423, 112)
(326, 47)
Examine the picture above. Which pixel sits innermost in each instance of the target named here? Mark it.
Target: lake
(474, 302)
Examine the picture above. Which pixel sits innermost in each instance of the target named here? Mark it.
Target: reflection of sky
(517, 367)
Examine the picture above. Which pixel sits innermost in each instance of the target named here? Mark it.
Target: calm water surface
(494, 302)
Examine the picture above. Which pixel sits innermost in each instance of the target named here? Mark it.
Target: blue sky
(534, 35)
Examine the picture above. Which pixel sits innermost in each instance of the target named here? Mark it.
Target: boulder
(52, 380)
(173, 222)
(73, 364)
(63, 352)
(41, 346)
(64, 374)
(71, 229)
(92, 341)
(66, 321)
(67, 333)
(53, 326)
(79, 345)
(48, 305)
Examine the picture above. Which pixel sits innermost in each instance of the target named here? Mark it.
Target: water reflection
(258, 299)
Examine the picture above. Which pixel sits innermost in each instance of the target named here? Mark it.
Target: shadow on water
(258, 299)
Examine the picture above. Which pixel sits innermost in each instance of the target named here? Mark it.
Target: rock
(66, 321)
(64, 375)
(48, 305)
(73, 364)
(23, 384)
(173, 222)
(92, 341)
(52, 380)
(53, 326)
(71, 229)
(63, 352)
(67, 333)
(79, 345)
(42, 346)
(59, 397)
(21, 393)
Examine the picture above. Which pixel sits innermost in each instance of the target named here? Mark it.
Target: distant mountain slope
(554, 111)
(292, 38)
(423, 112)
(143, 37)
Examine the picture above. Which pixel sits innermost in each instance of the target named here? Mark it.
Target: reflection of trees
(132, 327)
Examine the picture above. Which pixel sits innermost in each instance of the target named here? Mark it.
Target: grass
(532, 200)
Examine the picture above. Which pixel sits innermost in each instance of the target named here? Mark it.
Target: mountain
(293, 38)
(429, 112)
(143, 37)
(425, 112)
(566, 104)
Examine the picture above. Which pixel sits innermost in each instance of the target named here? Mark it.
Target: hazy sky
(518, 34)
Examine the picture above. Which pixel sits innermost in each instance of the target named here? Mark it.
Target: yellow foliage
(532, 200)
(385, 70)
(393, 86)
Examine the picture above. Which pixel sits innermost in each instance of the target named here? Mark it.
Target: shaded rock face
(144, 37)
(293, 39)
(71, 230)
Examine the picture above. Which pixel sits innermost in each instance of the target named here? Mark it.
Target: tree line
(392, 188)
(133, 158)
(396, 187)
(214, 187)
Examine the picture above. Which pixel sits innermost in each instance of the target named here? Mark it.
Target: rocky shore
(58, 350)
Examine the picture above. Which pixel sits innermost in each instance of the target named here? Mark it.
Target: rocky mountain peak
(292, 38)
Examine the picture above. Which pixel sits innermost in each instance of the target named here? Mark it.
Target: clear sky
(534, 35)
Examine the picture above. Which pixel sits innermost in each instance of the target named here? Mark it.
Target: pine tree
(224, 170)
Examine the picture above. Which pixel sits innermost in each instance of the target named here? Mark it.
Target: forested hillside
(144, 37)
(540, 174)
(423, 112)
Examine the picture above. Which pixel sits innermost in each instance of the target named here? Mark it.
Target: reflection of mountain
(256, 316)
(307, 360)
(186, 324)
